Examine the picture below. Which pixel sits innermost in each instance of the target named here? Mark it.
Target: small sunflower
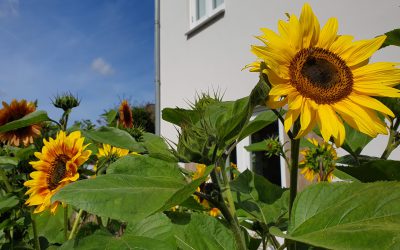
(109, 154)
(57, 166)
(14, 111)
(214, 212)
(200, 170)
(325, 78)
(125, 115)
(318, 161)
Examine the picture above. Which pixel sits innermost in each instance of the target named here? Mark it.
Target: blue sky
(101, 50)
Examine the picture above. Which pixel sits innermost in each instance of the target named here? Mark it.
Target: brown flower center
(57, 171)
(320, 75)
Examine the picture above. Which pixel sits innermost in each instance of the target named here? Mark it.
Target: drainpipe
(157, 65)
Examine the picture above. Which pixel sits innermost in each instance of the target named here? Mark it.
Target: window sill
(205, 23)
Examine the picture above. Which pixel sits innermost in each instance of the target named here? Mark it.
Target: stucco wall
(213, 58)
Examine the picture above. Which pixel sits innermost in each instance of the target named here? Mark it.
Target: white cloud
(101, 66)
(9, 8)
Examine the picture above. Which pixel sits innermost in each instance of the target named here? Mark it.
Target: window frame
(210, 13)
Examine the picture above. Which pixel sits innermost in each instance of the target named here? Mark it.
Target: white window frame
(210, 13)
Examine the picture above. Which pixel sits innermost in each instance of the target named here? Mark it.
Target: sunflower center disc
(57, 172)
(320, 75)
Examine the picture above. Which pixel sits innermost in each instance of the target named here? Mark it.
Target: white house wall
(212, 59)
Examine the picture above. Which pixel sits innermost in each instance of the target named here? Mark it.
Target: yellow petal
(371, 103)
(328, 33)
(290, 118)
(310, 26)
(282, 90)
(362, 50)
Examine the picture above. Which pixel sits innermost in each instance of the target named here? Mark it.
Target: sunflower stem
(4, 177)
(35, 232)
(76, 223)
(392, 144)
(294, 158)
(66, 222)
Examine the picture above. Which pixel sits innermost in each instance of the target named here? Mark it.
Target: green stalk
(294, 157)
(35, 233)
(76, 223)
(66, 222)
(392, 142)
(233, 221)
(3, 175)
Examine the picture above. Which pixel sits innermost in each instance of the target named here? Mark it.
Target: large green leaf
(262, 120)
(347, 216)
(179, 116)
(186, 191)
(32, 118)
(259, 198)
(124, 197)
(199, 231)
(157, 148)
(51, 226)
(145, 166)
(392, 38)
(104, 240)
(355, 141)
(115, 137)
(157, 226)
(376, 170)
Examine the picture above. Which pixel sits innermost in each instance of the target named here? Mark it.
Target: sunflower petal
(371, 103)
(328, 33)
(362, 50)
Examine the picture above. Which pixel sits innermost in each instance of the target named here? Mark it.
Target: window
(203, 10)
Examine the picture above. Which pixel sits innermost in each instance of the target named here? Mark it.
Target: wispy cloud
(101, 66)
(9, 8)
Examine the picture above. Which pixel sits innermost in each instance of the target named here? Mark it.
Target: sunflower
(325, 78)
(57, 166)
(214, 212)
(14, 111)
(125, 115)
(319, 160)
(110, 154)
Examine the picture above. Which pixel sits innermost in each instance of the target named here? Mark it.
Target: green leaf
(179, 116)
(258, 146)
(51, 226)
(199, 231)
(355, 141)
(7, 202)
(347, 216)
(376, 170)
(392, 38)
(157, 226)
(262, 120)
(115, 137)
(103, 240)
(31, 118)
(8, 162)
(259, 198)
(186, 191)
(145, 166)
(157, 148)
(124, 197)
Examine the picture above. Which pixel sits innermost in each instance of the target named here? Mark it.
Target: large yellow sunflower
(14, 111)
(57, 166)
(325, 78)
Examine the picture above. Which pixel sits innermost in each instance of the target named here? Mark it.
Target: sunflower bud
(66, 101)
(273, 146)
